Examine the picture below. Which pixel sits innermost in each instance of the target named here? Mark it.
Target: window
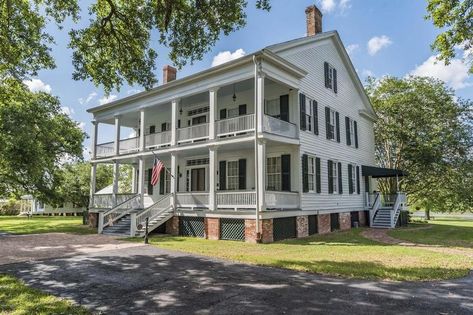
(167, 183)
(309, 114)
(273, 173)
(331, 132)
(352, 178)
(311, 173)
(334, 177)
(330, 77)
(350, 131)
(233, 178)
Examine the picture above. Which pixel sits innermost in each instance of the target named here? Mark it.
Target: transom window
(232, 175)
(311, 173)
(273, 173)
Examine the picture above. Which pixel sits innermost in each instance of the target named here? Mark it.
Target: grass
(346, 254)
(16, 298)
(443, 232)
(23, 225)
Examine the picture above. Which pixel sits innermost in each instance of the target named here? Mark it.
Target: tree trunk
(427, 213)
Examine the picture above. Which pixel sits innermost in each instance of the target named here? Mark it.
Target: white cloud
(107, 99)
(367, 73)
(226, 56)
(81, 125)
(351, 48)
(455, 74)
(86, 153)
(377, 43)
(327, 5)
(36, 85)
(90, 97)
(67, 110)
(344, 5)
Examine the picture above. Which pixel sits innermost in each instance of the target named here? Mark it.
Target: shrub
(11, 207)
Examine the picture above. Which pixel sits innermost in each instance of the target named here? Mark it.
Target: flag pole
(156, 156)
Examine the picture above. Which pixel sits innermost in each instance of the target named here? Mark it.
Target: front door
(198, 179)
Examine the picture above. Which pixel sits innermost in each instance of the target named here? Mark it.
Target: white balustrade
(102, 201)
(105, 149)
(192, 133)
(280, 127)
(236, 125)
(282, 199)
(129, 145)
(158, 139)
(192, 200)
(236, 199)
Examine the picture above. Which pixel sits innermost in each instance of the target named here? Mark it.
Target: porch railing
(236, 199)
(280, 127)
(158, 139)
(105, 201)
(282, 199)
(192, 200)
(129, 145)
(232, 126)
(193, 133)
(105, 149)
(111, 216)
(151, 213)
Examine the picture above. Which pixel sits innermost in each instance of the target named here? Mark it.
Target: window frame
(309, 114)
(231, 178)
(353, 178)
(334, 176)
(351, 129)
(276, 175)
(330, 76)
(333, 119)
(311, 172)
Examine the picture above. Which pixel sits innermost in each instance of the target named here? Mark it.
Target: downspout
(257, 179)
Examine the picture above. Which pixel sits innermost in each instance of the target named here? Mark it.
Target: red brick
(266, 228)
(302, 223)
(212, 228)
(345, 221)
(172, 226)
(93, 219)
(323, 223)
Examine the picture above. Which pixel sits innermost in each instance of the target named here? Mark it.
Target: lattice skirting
(284, 228)
(191, 226)
(232, 229)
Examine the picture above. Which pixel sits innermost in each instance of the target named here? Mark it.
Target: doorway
(198, 179)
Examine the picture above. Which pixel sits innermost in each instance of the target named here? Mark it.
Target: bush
(11, 207)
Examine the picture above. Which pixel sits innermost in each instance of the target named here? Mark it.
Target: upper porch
(223, 106)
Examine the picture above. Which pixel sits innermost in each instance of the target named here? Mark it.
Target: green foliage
(36, 137)
(455, 18)
(117, 43)
(426, 131)
(11, 207)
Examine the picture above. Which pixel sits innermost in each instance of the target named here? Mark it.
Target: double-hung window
(332, 125)
(309, 121)
(232, 175)
(273, 173)
(311, 173)
(334, 176)
(352, 178)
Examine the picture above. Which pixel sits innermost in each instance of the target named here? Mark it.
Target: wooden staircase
(386, 209)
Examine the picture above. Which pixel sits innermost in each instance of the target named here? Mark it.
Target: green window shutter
(318, 182)
(302, 111)
(330, 178)
(347, 130)
(305, 173)
(327, 84)
(242, 174)
(358, 180)
(162, 181)
(337, 123)
(150, 187)
(350, 179)
(355, 127)
(284, 107)
(340, 180)
(286, 172)
(328, 133)
(315, 110)
(335, 89)
(222, 174)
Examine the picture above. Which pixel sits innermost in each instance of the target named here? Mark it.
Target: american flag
(157, 167)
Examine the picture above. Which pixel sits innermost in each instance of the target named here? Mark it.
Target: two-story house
(276, 144)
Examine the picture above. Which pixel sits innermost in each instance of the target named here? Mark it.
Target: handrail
(400, 199)
(375, 208)
(164, 201)
(111, 216)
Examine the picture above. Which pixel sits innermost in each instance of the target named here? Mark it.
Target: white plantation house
(273, 145)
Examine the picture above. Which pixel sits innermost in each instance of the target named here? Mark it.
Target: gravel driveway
(120, 278)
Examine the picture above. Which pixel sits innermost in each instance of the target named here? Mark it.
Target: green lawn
(23, 225)
(18, 299)
(444, 232)
(346, 254)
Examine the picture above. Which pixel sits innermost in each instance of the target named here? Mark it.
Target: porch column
(95, 125)
(117, 135)
(93, 175)
(174, 117)
(261, 173)
(116, 170)
(259, 102)
(141, 180)
(173, 179)
(213, 178)
(133, 179)
(212, 112)
(142, 129)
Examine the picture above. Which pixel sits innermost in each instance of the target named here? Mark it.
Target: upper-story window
(332, 124)
(311, 173)
(330, 77)
(233, 178)
(351, 127)
(351, 178)
(309, 114)
(273, 173)
(332, 176)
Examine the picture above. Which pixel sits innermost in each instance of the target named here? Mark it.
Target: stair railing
(150, 212)
(398, 206)
(111, 216)
(375, 207)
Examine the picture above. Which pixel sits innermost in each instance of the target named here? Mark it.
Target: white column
(261, 169)
(133, 179)
(212, 112)
(173, 179)
(213, 178)
(141, 179)
(93, 176)
(117, 135)
(95, 125)
(116, 170)
(260, 102)
(174, 115)
(142, 129)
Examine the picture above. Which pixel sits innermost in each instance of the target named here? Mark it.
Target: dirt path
(381, 235)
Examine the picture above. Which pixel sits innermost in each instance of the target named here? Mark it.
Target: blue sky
(384, 37)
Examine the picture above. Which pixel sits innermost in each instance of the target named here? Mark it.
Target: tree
(455, 17)
(117, 43)
(36, 137)
(426, 131)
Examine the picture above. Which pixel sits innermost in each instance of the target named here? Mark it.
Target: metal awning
(379, 172)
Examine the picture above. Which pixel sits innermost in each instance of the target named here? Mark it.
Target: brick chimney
(169, 74)
(313, 20)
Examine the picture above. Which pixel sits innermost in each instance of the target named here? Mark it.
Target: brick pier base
(212, 228)
(266, 228)
(345, 221)
(324, 223)
(93, 220)
(302, 223)
(172, 226)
